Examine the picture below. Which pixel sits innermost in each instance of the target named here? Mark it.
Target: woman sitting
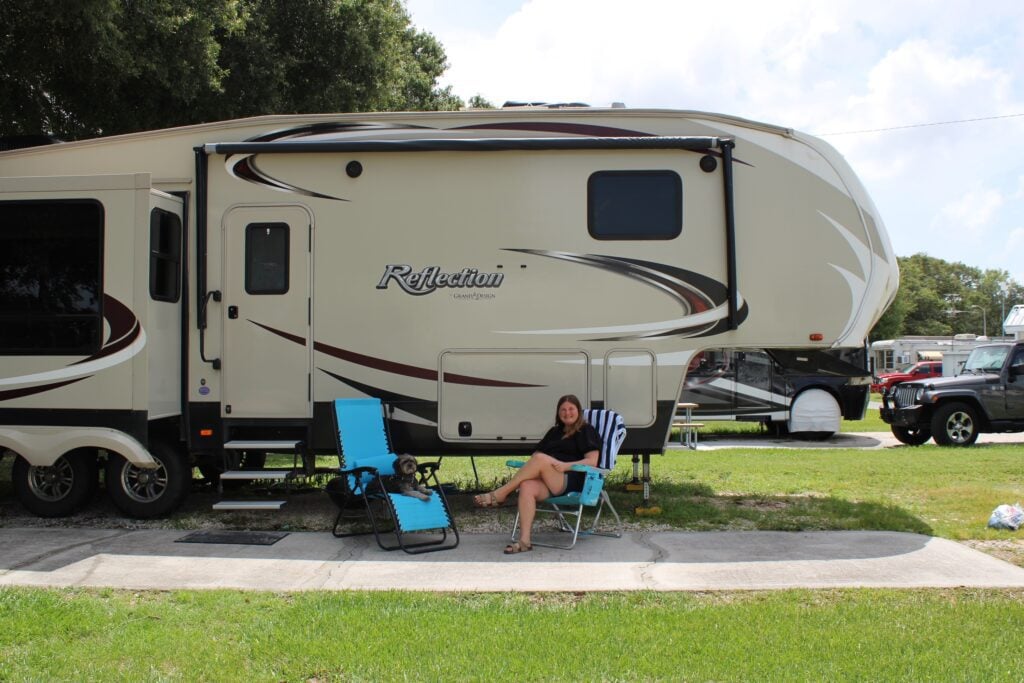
(547, 473)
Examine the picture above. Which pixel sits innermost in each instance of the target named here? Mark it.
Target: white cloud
(822, 67)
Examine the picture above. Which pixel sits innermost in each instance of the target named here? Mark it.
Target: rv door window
(266, 258)
(635, 205)
(51, 275)
(164, 256)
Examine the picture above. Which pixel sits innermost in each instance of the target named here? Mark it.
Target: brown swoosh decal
(124, 329)
(28, 391)
(391, 366)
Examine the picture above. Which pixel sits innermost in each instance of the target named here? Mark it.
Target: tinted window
(51, 277)
(164, 256)
(266, 258)
(635, 205)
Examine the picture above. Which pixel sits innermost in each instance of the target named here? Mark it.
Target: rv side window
(266, 258)
(635, 205)
(51, 277)
(164, 256)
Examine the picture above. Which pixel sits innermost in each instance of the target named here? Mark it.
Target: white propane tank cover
(814, 410)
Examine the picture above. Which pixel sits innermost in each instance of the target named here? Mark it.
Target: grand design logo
(432, 278)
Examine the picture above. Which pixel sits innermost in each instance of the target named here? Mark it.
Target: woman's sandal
(517, 547)
(487, 500)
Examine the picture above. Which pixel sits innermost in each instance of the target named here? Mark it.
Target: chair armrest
(355, 471)
(428, 467)
(588, 468)
(576, 468)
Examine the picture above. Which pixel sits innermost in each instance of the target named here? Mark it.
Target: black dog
(404, 481)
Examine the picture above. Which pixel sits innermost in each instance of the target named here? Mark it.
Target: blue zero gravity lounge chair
(368, 460)
(612, 430)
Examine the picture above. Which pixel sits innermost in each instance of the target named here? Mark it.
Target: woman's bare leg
(541, 467)
(531, 492)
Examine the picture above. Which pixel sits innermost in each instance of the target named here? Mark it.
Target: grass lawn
(913, 635)
(948, 492)
(876, 635)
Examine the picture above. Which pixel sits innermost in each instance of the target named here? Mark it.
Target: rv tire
(143, 492)
(55, 490)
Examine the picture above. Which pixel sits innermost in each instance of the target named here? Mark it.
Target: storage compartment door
(630, 386)
(507, 395)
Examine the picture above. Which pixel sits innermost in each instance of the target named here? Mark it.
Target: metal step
(275, 445)
(249, 505)
(252, 475)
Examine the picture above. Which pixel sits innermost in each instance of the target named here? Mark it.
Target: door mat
(234, 537)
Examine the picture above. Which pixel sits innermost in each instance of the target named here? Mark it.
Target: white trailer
(169, 296)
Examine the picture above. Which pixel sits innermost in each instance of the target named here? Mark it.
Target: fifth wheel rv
(199, 295)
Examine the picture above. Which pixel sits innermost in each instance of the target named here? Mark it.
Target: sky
(924, 99)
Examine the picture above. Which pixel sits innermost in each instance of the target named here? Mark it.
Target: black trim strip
(732, 285)
(694, 144)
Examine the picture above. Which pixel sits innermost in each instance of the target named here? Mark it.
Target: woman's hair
(578, 424)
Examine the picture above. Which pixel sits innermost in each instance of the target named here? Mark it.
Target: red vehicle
(922, 370)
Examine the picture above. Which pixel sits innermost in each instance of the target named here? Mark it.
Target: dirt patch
(1009, 550)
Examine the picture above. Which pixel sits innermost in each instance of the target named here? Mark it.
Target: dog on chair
(404, 481)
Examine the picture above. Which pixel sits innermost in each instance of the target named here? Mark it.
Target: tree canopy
(938, 298)
(101, 67)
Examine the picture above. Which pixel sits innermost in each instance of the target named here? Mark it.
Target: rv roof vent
(618, 105)
(547, 105)
(9, 142)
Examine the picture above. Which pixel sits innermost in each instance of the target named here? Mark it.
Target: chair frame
(374, 492)
(573, 504)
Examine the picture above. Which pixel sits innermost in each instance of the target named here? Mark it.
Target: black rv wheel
(55, 490)
(912, 436)
(148, 492)
(955, 424)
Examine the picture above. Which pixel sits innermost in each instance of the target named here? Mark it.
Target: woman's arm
(589, 458)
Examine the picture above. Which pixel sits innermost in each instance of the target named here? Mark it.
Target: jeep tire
(912, 436)
(955, 424)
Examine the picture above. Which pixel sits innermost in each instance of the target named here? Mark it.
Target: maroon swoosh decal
(124, 329)
(551, 127)
(28, 391)
(392, 366)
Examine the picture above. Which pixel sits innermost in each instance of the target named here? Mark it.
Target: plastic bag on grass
(1007, 517)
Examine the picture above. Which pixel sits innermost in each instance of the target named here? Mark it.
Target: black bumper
(912, 416)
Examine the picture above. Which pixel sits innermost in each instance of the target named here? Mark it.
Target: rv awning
(695, 144)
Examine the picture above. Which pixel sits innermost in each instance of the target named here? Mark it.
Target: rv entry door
(267, 312)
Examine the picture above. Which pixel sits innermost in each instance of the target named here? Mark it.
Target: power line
(921, 125)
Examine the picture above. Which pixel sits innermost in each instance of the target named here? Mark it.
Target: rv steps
(253, 475)
(249, 505)
(272, 445)
(302, 466)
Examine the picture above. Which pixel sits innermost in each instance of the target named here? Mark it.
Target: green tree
(939, 298)
(479, 102)
(94, 67)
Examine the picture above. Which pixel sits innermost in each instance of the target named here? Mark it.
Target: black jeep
(987, 396)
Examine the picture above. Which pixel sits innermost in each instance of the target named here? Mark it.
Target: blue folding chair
(367, 460)
(612, 430)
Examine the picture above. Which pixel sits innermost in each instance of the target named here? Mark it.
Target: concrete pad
(660, 561)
